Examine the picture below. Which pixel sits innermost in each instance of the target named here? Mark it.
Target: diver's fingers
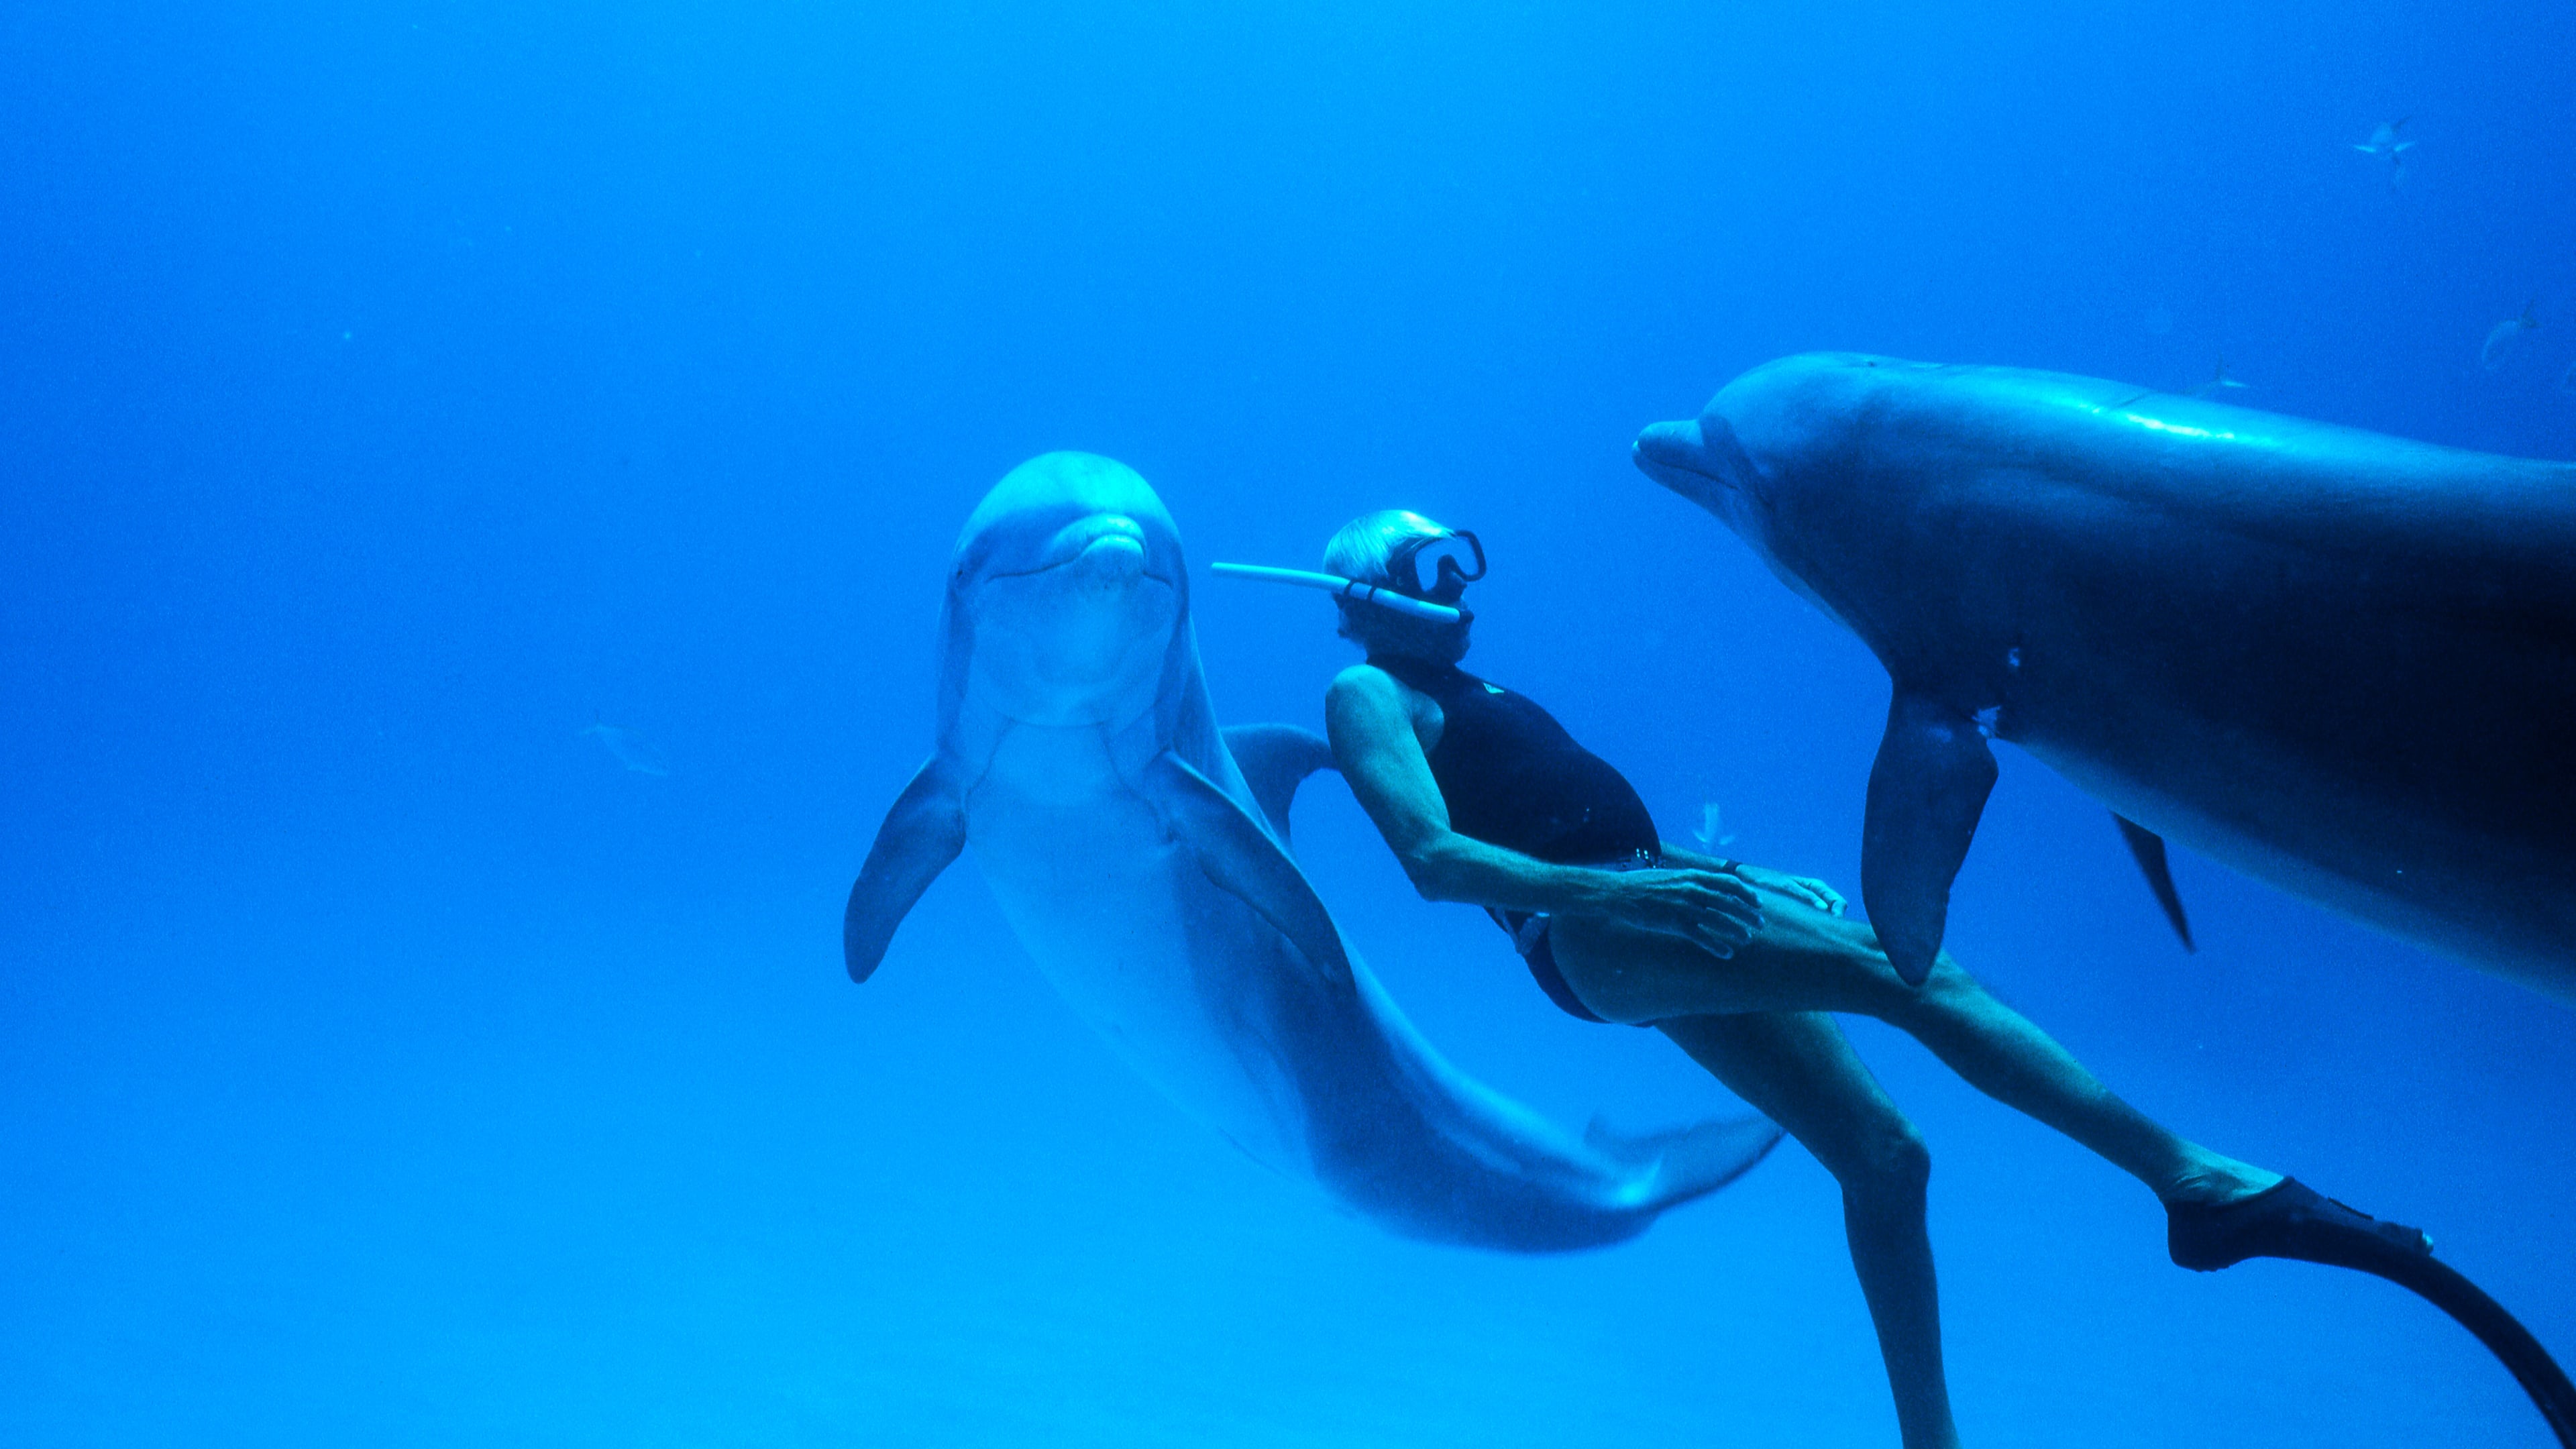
(1729, 902)
(1736, 888)
(1721, 882)
(1728, 930)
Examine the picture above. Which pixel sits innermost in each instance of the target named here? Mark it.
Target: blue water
(393, 393)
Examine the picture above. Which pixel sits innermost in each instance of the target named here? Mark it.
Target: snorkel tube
(1345, 588)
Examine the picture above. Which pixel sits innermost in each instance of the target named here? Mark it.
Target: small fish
(2383, 143)
(2502, 336)
(2567, 379)
(2218, 382)
(1711, 831)
(631, 748)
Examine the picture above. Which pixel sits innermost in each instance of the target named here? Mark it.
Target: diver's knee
(1900, 1161)
(1946, 990)
(1889, 1163)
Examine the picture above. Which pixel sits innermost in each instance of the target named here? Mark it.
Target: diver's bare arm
(1373, 742)
(1797, 887)
(1693, 860)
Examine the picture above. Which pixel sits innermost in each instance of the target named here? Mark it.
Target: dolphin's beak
(1106, 550)
(1675, 454)
(1112, 559)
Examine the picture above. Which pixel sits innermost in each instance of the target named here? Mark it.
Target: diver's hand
(1805, 889)
(1712, 911)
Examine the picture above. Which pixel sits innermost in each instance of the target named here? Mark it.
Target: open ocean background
(389, 393)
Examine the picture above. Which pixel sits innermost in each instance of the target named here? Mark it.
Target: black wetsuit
(1511, 776)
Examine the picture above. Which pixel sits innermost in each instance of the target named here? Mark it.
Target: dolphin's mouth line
(1147, 574)
(1677, 460)
(1695, 472)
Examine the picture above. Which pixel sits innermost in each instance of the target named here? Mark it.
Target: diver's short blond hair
(1364, 545)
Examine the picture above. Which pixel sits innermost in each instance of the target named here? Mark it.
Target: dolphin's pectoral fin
(1688, 1162)
(1273, 758)
(1926, 790)
(923, 832)
(1244, 862)
(2149, 848)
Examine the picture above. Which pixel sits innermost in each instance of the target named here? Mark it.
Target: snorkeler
(1487, 800)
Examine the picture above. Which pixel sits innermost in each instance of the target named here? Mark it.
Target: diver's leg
(1806, 960)
(2001, 1053)
(1796, 1069)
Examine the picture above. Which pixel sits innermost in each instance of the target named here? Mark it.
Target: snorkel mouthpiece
(1383, 597)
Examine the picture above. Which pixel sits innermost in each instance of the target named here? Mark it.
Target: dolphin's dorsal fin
(1242, 860)
(1926, 790)
(2149, 848)
(923, 832)
(1273, 758)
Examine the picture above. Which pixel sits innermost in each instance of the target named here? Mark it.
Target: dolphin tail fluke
(1926, 790)
(1274, 758)
(923, 832)
(1688, 1162)
(2149, 848)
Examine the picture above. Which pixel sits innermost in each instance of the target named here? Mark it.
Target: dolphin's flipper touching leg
(922, 833)
(1926, 790)
(1231, 848)
(2149, 848)
(2292, 1220)
(1273, 758)
(1690, 1161)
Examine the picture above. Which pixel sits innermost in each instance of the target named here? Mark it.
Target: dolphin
(1140, 855)
(2383, 143)
(2502, 336)
(630, 748)
(2341, 662)
(2220, 380)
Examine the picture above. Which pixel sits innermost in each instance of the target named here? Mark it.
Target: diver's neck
(1380, 658)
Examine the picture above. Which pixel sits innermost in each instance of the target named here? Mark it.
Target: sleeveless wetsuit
(1511, 776)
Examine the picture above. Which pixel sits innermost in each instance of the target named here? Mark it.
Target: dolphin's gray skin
(1148, 875)
(2342, 662)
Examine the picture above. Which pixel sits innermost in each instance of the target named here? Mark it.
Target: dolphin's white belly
(1131, 933)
